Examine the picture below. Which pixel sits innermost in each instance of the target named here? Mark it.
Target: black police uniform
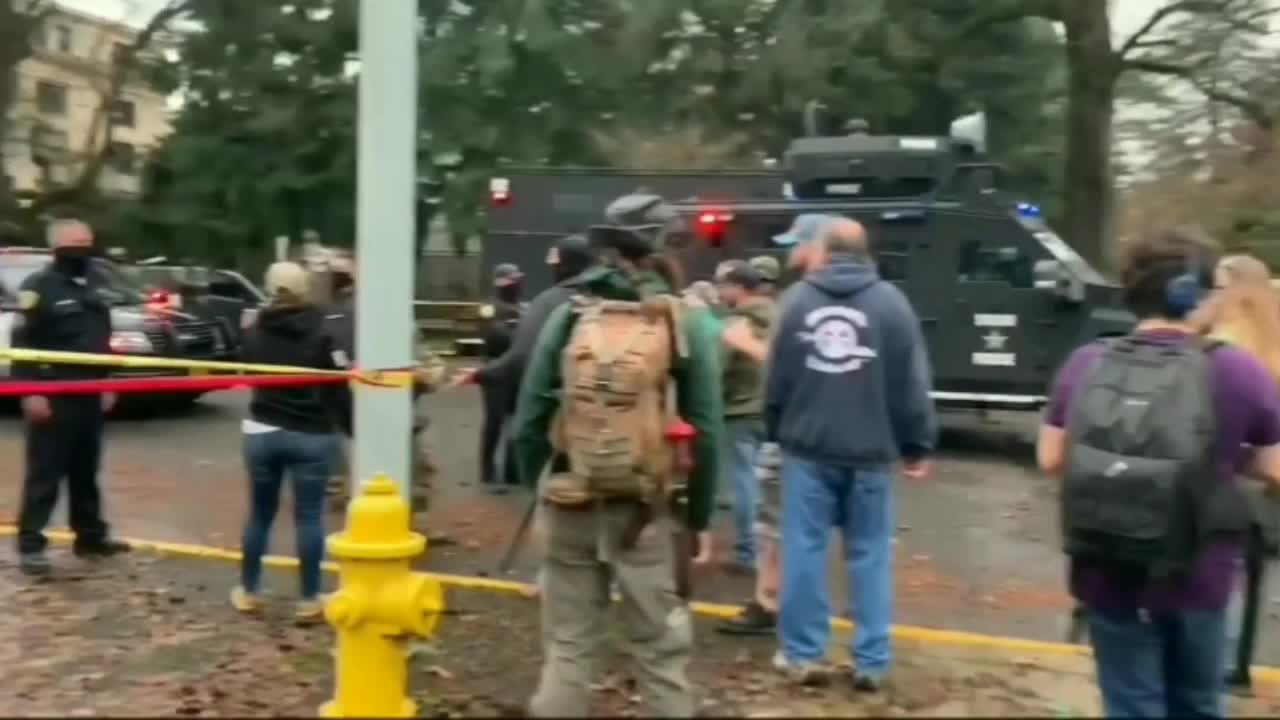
(499, 398)
(67, 312)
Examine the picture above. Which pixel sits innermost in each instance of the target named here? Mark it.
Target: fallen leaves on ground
(142, 636)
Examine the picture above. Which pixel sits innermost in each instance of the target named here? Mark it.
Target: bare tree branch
(1139, 38)
(1256, 111)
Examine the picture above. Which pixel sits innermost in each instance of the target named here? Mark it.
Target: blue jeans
(1159, 665)
(738, 459)
(861, 503)
(308, 459)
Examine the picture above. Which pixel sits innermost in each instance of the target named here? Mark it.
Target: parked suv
(142, 324)
(213, 294)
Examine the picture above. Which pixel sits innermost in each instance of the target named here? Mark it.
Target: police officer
(64, 308)
(500, 399)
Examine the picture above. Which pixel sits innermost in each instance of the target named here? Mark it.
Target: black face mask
(509, 293)
(73, 261)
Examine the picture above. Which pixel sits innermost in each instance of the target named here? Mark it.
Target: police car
(145, 324)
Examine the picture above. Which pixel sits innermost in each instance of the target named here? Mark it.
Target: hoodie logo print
(833, 333)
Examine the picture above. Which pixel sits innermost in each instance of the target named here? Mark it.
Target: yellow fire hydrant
(379, 605)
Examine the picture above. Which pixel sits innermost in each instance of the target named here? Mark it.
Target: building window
(1005, 264)
(118, 52)
(51, 98)
(62, 38)
(48, 145)
(123, 158)
(122, 113)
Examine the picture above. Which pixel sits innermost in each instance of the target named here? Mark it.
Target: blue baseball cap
(805, 228)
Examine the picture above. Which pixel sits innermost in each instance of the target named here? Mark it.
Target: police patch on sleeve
(28, 299)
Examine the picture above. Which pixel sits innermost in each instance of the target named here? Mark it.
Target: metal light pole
(386, 176)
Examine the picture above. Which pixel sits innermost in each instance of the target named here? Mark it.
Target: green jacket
(743, 376)
(697, 380)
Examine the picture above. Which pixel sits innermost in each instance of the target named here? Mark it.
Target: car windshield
(15, 269)
(123, 289)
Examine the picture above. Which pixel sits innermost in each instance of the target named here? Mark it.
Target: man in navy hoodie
(847, 397)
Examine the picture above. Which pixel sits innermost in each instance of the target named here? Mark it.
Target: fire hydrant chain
(380, 606)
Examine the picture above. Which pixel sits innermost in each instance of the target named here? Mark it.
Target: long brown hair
(1247, 315)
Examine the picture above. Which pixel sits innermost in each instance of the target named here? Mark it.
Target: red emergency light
(712, 225)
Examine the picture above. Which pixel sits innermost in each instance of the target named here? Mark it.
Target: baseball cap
(287, 278)
(738, 272)
(767, 267)
(805, 228)
(568, 249)
(506, 274)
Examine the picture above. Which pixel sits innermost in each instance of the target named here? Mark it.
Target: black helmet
(634, 224)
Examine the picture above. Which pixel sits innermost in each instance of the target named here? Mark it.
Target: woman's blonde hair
(1247, 315)
(287, 283)
(1244, 269)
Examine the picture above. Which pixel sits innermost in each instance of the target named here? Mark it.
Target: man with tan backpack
(619, 421)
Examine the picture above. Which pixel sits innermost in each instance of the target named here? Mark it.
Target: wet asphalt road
(977, 543)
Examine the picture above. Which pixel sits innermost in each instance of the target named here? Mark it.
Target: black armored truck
(1001, 297)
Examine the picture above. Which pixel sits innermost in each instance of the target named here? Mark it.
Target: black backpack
(1141, 496)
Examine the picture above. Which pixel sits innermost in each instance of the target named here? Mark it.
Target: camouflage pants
(421, 466)
(582, 556)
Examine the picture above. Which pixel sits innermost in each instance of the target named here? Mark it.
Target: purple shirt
(1246, 403)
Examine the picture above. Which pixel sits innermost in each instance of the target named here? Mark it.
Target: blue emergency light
(1028, 211)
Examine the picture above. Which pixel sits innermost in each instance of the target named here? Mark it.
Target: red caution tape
(162, 384)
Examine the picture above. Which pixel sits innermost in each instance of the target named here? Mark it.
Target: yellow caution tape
(398, 379)
(139, 362)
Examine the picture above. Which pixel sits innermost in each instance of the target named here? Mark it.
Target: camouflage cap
(767, 267)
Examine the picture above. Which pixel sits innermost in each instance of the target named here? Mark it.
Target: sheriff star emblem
(995, 340)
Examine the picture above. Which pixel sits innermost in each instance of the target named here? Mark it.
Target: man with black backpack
(1147, 433)
(617, 376)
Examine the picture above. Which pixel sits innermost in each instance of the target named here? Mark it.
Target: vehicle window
(574, 203)
(231, 290)
(14, 271)
(124, 290)
(892, 259)
(233, 285)
(986, 263)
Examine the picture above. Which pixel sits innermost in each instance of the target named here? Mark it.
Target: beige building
(58, 120)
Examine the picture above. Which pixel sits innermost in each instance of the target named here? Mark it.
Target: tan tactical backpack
(618, 401)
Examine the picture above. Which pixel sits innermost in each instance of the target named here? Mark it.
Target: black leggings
(497, 413)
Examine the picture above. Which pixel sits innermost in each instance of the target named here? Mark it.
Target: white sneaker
(803, 673)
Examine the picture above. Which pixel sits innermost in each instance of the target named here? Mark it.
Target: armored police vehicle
(145, 324)
(1002, 298)
(532, 207)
